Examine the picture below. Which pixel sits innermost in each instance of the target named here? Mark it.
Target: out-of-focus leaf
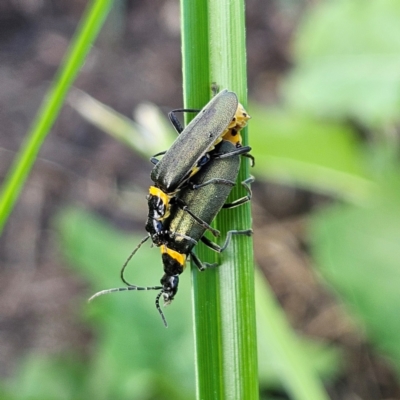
(282, 355)
(348, 62)
(134, 348)
(151, 135)
(358, 252)
(298, 150)
(47, 378)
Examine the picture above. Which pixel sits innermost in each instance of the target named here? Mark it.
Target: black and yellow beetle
(210, 189)
(187, 222)
(221, 119)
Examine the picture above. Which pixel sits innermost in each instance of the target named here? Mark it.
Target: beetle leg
(244, 199)
(175, 121)
(219, 249)
(199, 264)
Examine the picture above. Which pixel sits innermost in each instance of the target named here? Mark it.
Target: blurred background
(324, 96)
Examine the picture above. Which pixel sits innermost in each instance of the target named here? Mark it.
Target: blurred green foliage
(346, 66)
(120, 365)
(318, 155)
(347, 62)
(347, 59)
(357, 250)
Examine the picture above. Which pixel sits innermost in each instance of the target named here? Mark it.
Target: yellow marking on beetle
(178, 257)
(165, 198)
(239, 121)
(195, 170)
(231, 132)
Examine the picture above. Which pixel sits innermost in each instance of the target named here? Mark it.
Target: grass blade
(81, 44)
(224, 312)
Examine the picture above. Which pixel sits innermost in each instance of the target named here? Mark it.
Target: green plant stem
(224, 306)
(81, 44)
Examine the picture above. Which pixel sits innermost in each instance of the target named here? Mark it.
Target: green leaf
(348, 62)
(47, 378)
(135, 355)
(148, 136)
(298, 150)
(357, 250)
(286, 360)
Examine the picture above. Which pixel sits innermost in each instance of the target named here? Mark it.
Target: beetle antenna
(122, 289)
(133, 287)
(159, 309)
(129, 259)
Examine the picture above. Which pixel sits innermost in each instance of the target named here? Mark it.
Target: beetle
(190, 150)
(185, 229)
(182, 231)
(221, 119)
